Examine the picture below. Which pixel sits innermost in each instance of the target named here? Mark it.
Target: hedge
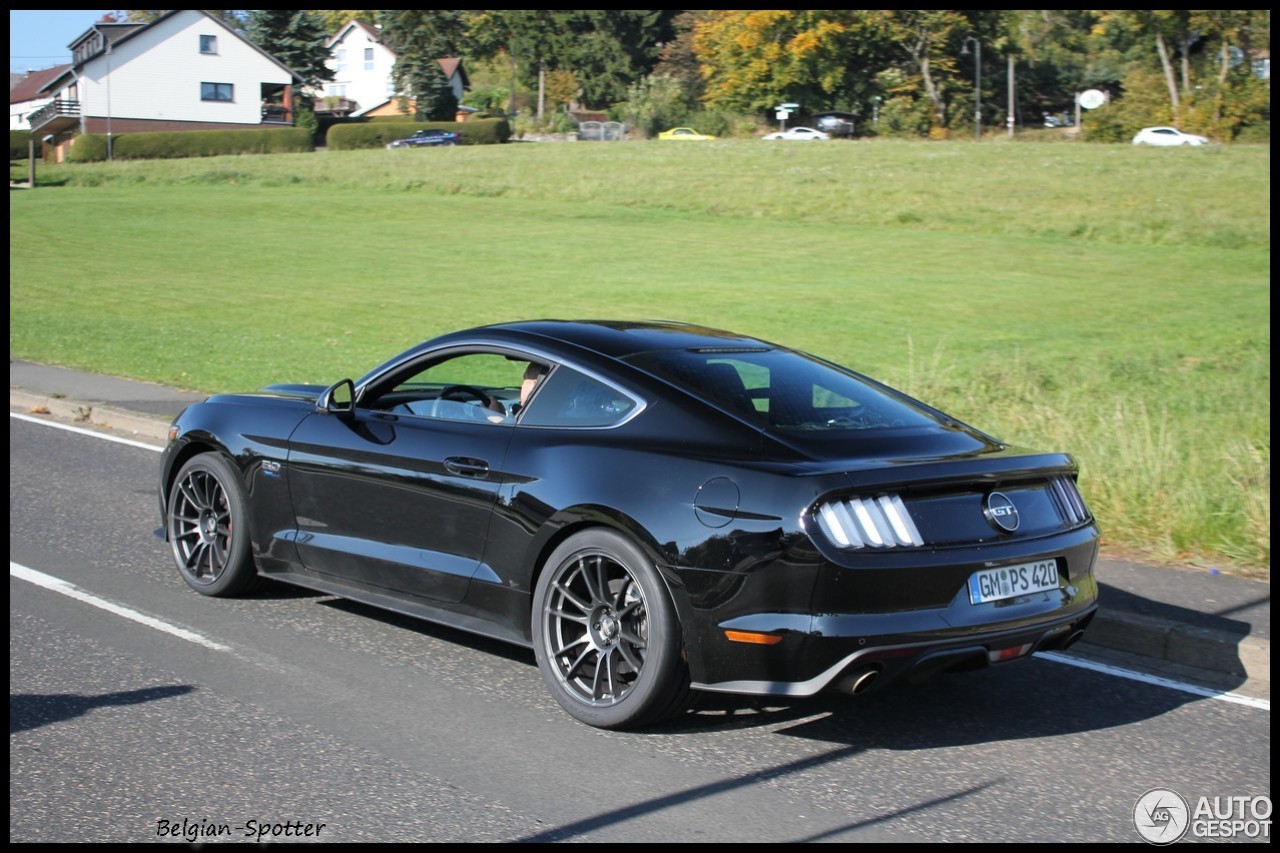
(91, 147)
(376, 134)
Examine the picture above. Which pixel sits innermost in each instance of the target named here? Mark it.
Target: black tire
(208, 526)
(606, 635)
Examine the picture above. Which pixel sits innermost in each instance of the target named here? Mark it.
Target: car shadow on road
(1024, 699)
(1028, 699)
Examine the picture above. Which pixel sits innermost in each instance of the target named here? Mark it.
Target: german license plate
(1011, 581)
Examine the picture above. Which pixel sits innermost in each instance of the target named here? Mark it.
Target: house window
(341, 56)
(338, 90)
(217, 92)
(368, 59)
(208, 44)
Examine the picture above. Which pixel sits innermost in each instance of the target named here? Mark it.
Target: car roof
(622, 338)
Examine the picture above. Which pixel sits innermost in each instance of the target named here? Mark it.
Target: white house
(25, 97)
(363, 83)
(184, 71)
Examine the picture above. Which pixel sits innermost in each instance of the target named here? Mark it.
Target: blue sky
(39, 39)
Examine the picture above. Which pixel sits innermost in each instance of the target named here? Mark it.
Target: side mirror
(338, 399)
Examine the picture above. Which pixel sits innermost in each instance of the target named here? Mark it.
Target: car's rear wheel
(208, 527)
(606, 635)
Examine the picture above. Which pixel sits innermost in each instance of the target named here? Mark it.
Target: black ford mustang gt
(655, 508)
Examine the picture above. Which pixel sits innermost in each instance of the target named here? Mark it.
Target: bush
(903, 116)
(88, 148)
(1260, 132)
(376, 134)
(92, 147)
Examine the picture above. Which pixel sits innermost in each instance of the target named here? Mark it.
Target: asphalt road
(303, 713)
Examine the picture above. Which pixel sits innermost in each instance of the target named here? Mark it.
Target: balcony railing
(276, 114)
(55, 112)
(336, 105)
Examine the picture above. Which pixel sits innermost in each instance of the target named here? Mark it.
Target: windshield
(783, 390)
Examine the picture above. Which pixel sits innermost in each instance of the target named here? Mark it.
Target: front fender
(255, 439)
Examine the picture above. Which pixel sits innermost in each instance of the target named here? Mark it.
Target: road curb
(88, 414)
(1243, 656)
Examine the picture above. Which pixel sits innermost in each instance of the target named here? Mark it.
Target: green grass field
(1103, 300)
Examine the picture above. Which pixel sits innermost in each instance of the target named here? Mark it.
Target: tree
(525, 36)
(1234, 32)
(820, 59)
(925, 37)
(742, 54)
(605, 50)
(420, 38)
(335, 19)
(677, 59)
(608, 49)
(230, 17)
(1187, 57)
(296, 38)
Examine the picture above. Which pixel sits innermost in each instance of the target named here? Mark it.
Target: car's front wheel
(606, 634)
(208, 528)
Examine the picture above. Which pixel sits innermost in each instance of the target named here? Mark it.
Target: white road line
(1133, 675)
(71, 590)
(104, 436)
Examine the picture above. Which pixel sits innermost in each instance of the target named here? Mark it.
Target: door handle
(466, 466)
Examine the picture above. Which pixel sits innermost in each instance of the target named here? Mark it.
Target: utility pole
(977, 84)
(1013, 108)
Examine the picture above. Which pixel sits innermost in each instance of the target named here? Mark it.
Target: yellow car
(683, 133)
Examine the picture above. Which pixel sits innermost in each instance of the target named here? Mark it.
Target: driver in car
(533, 374)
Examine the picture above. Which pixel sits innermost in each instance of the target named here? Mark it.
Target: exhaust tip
(858, 682)
(1072, 640)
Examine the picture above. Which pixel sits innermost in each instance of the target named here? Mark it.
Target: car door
(398, 494)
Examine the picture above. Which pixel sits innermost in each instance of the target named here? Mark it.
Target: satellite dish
(1091, 99)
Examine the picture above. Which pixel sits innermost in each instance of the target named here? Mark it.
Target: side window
(476, 386)
(568, 398)
(208, 44)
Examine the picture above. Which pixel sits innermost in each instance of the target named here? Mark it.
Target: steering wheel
(462, 393)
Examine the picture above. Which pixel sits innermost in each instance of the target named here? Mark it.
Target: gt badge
(1001, 512)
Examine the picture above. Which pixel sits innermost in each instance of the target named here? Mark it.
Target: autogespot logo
(1161, 816)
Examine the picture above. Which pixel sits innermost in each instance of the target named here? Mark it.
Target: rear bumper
(877, 665)
(812, 626)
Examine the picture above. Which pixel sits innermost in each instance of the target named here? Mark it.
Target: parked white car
(805, 134)
(1167, 136)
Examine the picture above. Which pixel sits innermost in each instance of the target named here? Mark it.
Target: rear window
(783, 390)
